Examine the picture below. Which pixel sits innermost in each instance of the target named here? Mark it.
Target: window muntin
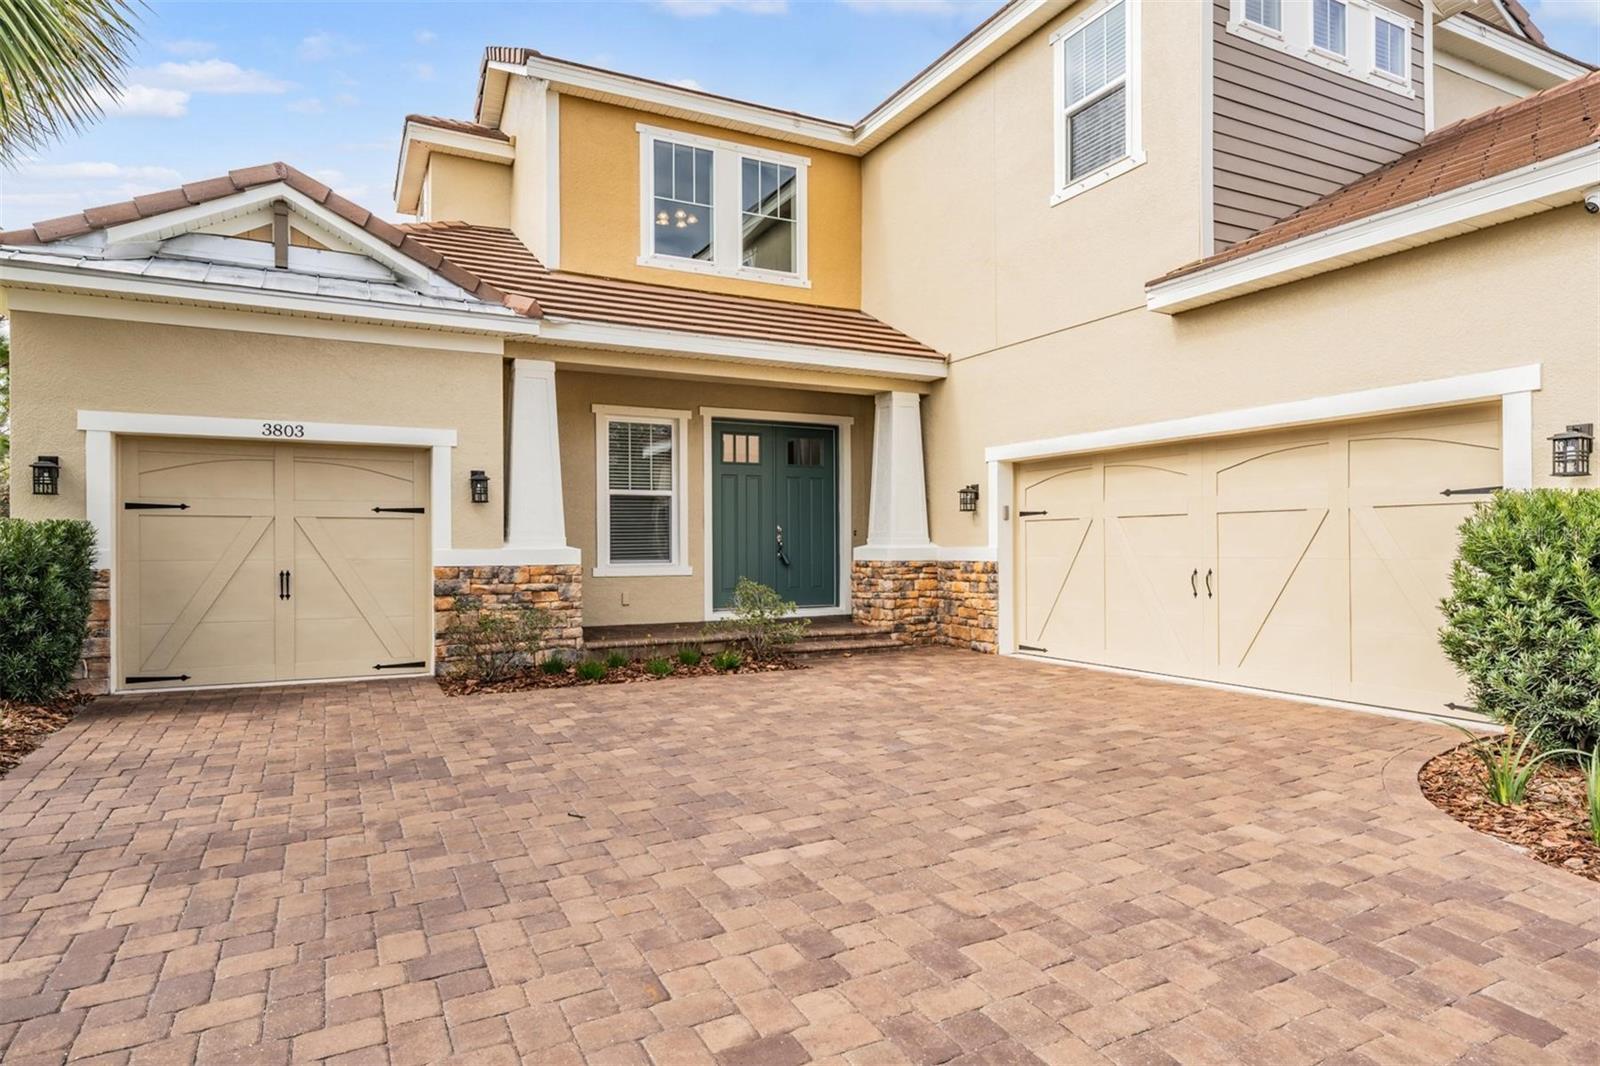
(743, 449)
(1268, 14)
(683, 216)
(1328, 26)
(1391, 47)
(1094, 74)
(767, 223)
(642, 491)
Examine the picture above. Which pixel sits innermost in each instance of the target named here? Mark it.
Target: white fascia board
(421, 140)
(737, 349)
(1389, 399)
(162, 425)
(1463, 27)
(69, 278)
(1543, 185)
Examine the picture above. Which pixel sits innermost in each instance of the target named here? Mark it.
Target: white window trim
(725, 208)
(1322, 50)
(1258, 27)
(1357, 62)
(604, 415)
(1131, 80)
(1407, 28)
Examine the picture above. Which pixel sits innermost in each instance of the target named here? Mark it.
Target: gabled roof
(1507, 139)
(198, 193)
(458, 125)
(499, 256)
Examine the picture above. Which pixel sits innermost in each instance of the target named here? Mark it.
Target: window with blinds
(1265, 13)
(640, 491)
(1095, 80)
(1327, 25)
(1389, 47)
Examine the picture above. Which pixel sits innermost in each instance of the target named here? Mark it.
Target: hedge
(46, 574)
(1522, 621)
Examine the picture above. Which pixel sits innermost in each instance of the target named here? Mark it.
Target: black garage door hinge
(399, 510)
(133, 506)
(1030, 514)
(419, 664)
(1030, 647)
(1482, 490)
(145, 679)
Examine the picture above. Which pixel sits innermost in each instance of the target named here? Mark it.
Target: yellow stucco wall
(600, 207)
(1457, 96)
(677, 599)
(61, 364)
(467, 190)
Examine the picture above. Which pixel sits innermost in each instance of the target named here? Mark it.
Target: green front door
(775, 510)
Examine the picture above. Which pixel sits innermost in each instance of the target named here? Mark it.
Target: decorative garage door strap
(135, 506)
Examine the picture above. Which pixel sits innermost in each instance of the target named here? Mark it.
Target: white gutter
(1551, 183)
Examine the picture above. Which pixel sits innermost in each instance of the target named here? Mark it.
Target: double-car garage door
(243, 562)
(1309, 562)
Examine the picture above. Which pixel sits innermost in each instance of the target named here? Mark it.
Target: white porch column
(897, 527)
(535, 517)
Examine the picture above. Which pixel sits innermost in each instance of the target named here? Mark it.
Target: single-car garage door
(1309, 561)
(245, 562)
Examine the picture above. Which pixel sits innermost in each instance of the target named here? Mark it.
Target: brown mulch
(1551, 826)
(621, 675)
(23, 726)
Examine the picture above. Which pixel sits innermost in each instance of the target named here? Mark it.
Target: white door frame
(1513, 387)
(100, 428)
(843, 428)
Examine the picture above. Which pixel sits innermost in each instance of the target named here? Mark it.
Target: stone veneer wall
(94, 669)
(952, 603)
(556, 589)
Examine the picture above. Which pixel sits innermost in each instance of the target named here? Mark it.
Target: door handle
(1208, 584)
(1192, 589)
(782, 557)
(283, 584)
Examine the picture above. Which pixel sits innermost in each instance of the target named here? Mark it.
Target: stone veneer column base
(555, 589)
(927, 602)
(94, 668)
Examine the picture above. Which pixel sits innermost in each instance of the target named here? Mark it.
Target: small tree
(490, 646)
(1522, 621)
(46, 580)
(762, 620)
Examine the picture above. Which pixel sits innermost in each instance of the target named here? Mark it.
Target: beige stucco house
(1172, 338)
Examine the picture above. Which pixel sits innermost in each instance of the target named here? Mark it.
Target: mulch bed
(620, 675)
(1551, 826)
(23, 726)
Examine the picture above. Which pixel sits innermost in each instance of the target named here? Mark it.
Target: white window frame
(1131, 81)
(1342, 58)
(1359, 60)
(726, 196)
(1261, 27)
(678, 564)
(1406, 27)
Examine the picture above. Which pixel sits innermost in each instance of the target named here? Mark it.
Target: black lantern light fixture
(46, 475)
(968, 494)
(1569, 451)
(480, 486)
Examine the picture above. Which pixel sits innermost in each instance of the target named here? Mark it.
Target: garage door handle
(283, 584)
(1194, 590)
(1208, 584)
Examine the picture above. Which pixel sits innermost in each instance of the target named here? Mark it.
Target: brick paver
(925, 857)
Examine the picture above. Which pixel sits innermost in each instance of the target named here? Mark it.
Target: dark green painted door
(775, 510)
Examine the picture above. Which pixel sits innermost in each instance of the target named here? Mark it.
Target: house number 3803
(282, 429)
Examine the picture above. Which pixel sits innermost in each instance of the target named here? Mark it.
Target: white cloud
(309, 105)
(96, 171)
(688, 83)
(189, 47)
(702, 8)
(146, 101)
(346, 99)
(422, 71)
(323, 45)
(425, 36)
(212, 76)
(936, 8)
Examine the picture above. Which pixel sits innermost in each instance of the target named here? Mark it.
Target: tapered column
(898, 524)
(535, 516)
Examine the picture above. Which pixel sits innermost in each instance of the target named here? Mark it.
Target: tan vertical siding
(1287, 132)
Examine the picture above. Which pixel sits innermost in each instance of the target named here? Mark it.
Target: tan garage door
(247, 562)
(1309, 561)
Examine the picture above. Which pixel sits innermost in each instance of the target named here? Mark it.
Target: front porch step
(827, 635)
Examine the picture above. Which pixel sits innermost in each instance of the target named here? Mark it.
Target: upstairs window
(1268, 14)
(1391, 47)
(715, 207)
(1327, 26)
(1097, 97)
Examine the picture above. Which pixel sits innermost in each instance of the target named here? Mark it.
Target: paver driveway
(926, 856)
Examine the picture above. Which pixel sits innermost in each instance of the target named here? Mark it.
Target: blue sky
(324, 86)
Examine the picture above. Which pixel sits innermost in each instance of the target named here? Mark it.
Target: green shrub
(554, 663)
(727, 659)
(1591, 784)
(616, 660)
(762, 620)
(1509, 761)
(46, 575)
(1522, 621)
(660, 666)
(592, 670)
(489, 646)
(690, 655)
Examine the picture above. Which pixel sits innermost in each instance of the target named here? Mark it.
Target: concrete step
(825, 636)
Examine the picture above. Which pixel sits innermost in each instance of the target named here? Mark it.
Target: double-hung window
(715, 207)
(1265, 14)
(640, 502)
(1097, 97)
(1391, 45)
(1328, 26)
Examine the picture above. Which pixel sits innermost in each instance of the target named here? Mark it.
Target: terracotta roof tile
(199, 192)
(459, 125)
(1543, 126)
(497, 255)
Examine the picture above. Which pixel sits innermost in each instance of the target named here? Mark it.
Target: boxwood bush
(46, 574)
(1522, 621)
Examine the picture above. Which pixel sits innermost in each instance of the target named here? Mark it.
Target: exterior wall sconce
(480, 486)
(1569, 451)
(46, 475)
(968, 494)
